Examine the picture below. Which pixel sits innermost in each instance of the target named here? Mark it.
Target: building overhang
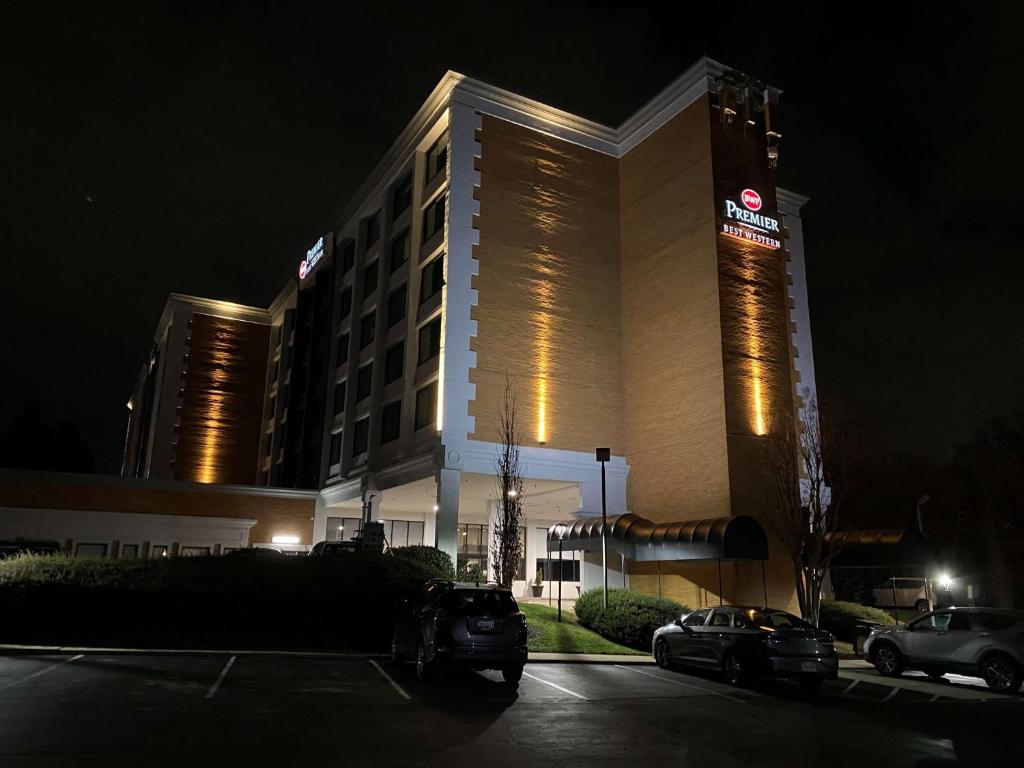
(639, 539)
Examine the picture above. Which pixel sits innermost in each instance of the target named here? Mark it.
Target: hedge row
(214, 602)
(840, 618)
(631, 617)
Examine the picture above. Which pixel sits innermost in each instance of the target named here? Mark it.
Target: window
(129, 551)
(401, 197)
(720, 619)
(430, 341)
(433, 218)
(695, 619)
(991, 622)
(437, 158)
(158, 550)
(364, 382)
(399, 250)
(194, 552)
(360, 436)
(345, 303)
(390, 421)
(431, 278)
(471, 544)
(372, 229)
(393, 362)
(335, 447)
(426, 406)
(343, 528)
(90, 550)
(348, 256)
(549, 566)
(367, 329)
(343, 348)
(396, 305)
(339, 397)
(402, 533)
(370, 280)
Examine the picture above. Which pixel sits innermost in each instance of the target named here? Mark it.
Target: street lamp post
(560, 530)
(604, 455)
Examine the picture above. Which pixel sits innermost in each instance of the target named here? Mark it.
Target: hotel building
(641, 288)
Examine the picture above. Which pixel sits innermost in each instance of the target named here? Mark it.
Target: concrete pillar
(447, 522)
(590, 492)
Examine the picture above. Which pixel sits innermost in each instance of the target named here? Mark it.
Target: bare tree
(506, 544)
(810, 469)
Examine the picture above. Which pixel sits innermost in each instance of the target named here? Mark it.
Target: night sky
(202, 147)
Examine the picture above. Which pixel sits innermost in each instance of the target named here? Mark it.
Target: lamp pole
(604, 455)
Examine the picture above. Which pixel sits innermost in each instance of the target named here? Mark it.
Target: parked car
(986, 642)
(909, 593)
(453, 624)
(745, 642)
(12, 547)
(255, 552)
(331, 548)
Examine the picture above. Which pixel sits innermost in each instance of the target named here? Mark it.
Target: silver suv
(987, 642)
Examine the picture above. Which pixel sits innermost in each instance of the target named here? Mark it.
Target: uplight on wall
(285, 539)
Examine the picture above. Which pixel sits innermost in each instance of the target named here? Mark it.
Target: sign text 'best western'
(313, 256)
(745, 223)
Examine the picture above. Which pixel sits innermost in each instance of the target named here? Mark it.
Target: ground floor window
(549, 568)
(403, 533)
(472, 545)
(158, 550)
(343, 528)
(194, 552)
(129, 551)
(90, 550)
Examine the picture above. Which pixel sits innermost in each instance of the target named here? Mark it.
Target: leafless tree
(506, 544)
(810, 469)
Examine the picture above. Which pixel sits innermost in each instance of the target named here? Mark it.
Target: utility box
(371, 537)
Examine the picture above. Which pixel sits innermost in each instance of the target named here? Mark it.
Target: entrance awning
(639, 539)
(882, 547)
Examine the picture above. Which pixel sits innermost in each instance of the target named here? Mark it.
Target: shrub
(631, 617)
(840, 618)
(432, 557)
(286, 602)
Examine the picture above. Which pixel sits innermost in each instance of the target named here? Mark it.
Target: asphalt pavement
(112, 709)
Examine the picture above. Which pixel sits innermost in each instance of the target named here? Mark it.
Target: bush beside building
(631, 617)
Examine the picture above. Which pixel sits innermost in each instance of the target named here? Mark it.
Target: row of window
(131, 551)
(431, 283)
(397, 533)
(390, 421)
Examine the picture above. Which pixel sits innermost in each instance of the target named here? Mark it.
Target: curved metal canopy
(728, 538)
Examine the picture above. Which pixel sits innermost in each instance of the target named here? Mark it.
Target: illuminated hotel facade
(642, 288)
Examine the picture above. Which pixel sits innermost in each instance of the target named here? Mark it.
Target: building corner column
(447, 520)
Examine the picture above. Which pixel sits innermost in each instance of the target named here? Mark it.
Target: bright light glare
(285, 540)
(945, 580)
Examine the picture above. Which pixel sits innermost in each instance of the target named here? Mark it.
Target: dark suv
(473, 626)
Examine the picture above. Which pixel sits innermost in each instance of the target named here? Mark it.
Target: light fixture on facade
(436, 508)
(285, 539)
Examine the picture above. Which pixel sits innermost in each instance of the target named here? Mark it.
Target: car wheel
(512, 674)
(1001, 673)
(733, 669)
(396, 655)
(887, 660)
(921, 606)
(661, 655)
(424, 669)
(810, 687)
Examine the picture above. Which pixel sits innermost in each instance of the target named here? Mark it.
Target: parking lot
(161, 709)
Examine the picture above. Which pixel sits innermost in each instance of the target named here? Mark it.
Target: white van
(909, 591)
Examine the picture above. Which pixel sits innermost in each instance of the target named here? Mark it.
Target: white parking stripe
(39, 672)
(386, 676)
(556, 687)
(850, 687)
(220, 678)
(891, 694)
(681, 684)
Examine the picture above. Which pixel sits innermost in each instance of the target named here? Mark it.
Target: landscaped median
(547, 635)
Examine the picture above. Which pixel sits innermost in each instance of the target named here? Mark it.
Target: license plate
(485, 624)
(809, 666)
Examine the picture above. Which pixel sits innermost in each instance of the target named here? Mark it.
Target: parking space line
(683, 685)
(220, 678)
(555, 686)
(386, 676)
(849, 688)
(40, 672)
(890, 695)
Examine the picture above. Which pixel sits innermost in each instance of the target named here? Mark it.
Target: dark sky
(201, 147)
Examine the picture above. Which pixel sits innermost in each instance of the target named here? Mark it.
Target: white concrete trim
(790, 204)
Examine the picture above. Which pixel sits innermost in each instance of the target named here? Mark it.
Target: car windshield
(755, 619)
(478, 602)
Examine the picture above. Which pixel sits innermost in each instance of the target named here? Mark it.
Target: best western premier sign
(313, 256)
(745, 223)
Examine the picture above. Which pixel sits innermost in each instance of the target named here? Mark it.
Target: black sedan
(745, 642)
(473, 626)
